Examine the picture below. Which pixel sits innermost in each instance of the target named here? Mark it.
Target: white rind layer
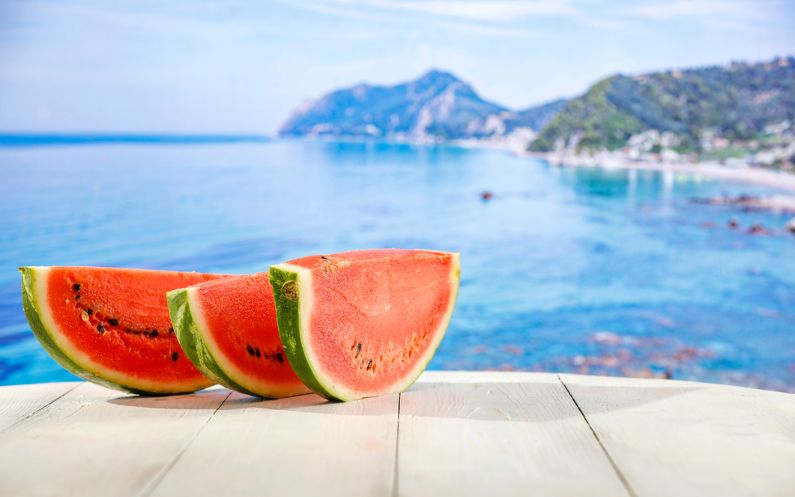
(236, 374)
(81, 359)
(323, 377)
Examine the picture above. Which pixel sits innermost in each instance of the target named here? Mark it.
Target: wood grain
(489, 434)
(456, 434)
(692, 439)
(298, 446)
(20, 402)
(92, 442)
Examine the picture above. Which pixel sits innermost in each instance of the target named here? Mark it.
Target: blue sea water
(580, 270)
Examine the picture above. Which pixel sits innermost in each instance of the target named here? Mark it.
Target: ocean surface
(577, 270)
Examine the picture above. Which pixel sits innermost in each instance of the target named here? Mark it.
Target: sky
(240, 67)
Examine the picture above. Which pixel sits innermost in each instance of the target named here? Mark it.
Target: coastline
(753, 175)
(759, 176)
(777, 180)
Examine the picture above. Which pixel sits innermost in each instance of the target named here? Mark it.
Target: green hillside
(735, 102)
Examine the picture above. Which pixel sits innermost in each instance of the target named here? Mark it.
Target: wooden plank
(96, 442)
(692, 439)
(498, 434)
(19, 402)
(291, 447)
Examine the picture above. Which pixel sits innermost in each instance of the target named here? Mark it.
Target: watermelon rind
(188, 332)
(288, 318)
(196, 340)
(34, 303)
(293, 294)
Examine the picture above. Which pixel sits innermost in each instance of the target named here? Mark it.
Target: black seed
(170, 331)
(250, 349)
(89, 311)
(280, 357)
(174, 356)
(257, 352)
(77, 297)
(358, 349)
(153, 333)
(76, 287)
(369, 364)
(113, 322)
(101, 328)
(324, 258)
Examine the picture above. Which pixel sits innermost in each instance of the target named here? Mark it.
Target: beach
(747, 174)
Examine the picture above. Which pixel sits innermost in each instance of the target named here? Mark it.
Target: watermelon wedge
(228, 330)
(364, 323)
(111, 326)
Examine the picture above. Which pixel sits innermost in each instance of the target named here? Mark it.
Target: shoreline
(758, 176)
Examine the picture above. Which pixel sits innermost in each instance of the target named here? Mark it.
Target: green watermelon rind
(190, 338)
(288, 314)
(288, 317)
(33, 311)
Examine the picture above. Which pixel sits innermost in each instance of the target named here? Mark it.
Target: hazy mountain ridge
(688, 109)
(736, 112)
(436, 106)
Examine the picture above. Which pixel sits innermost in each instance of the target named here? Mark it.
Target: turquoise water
(609, 272)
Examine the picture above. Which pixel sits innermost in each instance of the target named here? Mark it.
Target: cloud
(482, 10)
(485, 30)
(473, 10)
(699, 9)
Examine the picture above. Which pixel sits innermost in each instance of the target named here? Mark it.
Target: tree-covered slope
(735, 102)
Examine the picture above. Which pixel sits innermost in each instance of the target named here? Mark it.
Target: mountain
(436, 106)
(737, 102)
(537, 117)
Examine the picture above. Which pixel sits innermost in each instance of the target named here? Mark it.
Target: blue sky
(227, 67)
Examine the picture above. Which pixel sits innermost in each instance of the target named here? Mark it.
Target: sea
(594, 271)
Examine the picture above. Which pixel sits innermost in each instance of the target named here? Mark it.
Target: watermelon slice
(228, 330)
(111, 326)
(364, 323)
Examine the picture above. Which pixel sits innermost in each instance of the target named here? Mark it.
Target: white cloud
(699, 8)
(483, 10)
(485, 30)
(474, 10)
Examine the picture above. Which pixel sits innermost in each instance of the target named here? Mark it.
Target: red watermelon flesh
(111, 326)
(228, 329)
(364, 323)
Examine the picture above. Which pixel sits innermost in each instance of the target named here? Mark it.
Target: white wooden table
(456, 434)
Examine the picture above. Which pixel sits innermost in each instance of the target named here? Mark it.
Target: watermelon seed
(153, 333)
(174, 356)
(77, 296)
(89, 311)
(257, 352)
(101, 328)
(280, 357)
(358, 349)
(369, 365)
(250, 349)
(324, 258)
(170, 330)
(76, 287)
(84, 316)
(113, 322)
